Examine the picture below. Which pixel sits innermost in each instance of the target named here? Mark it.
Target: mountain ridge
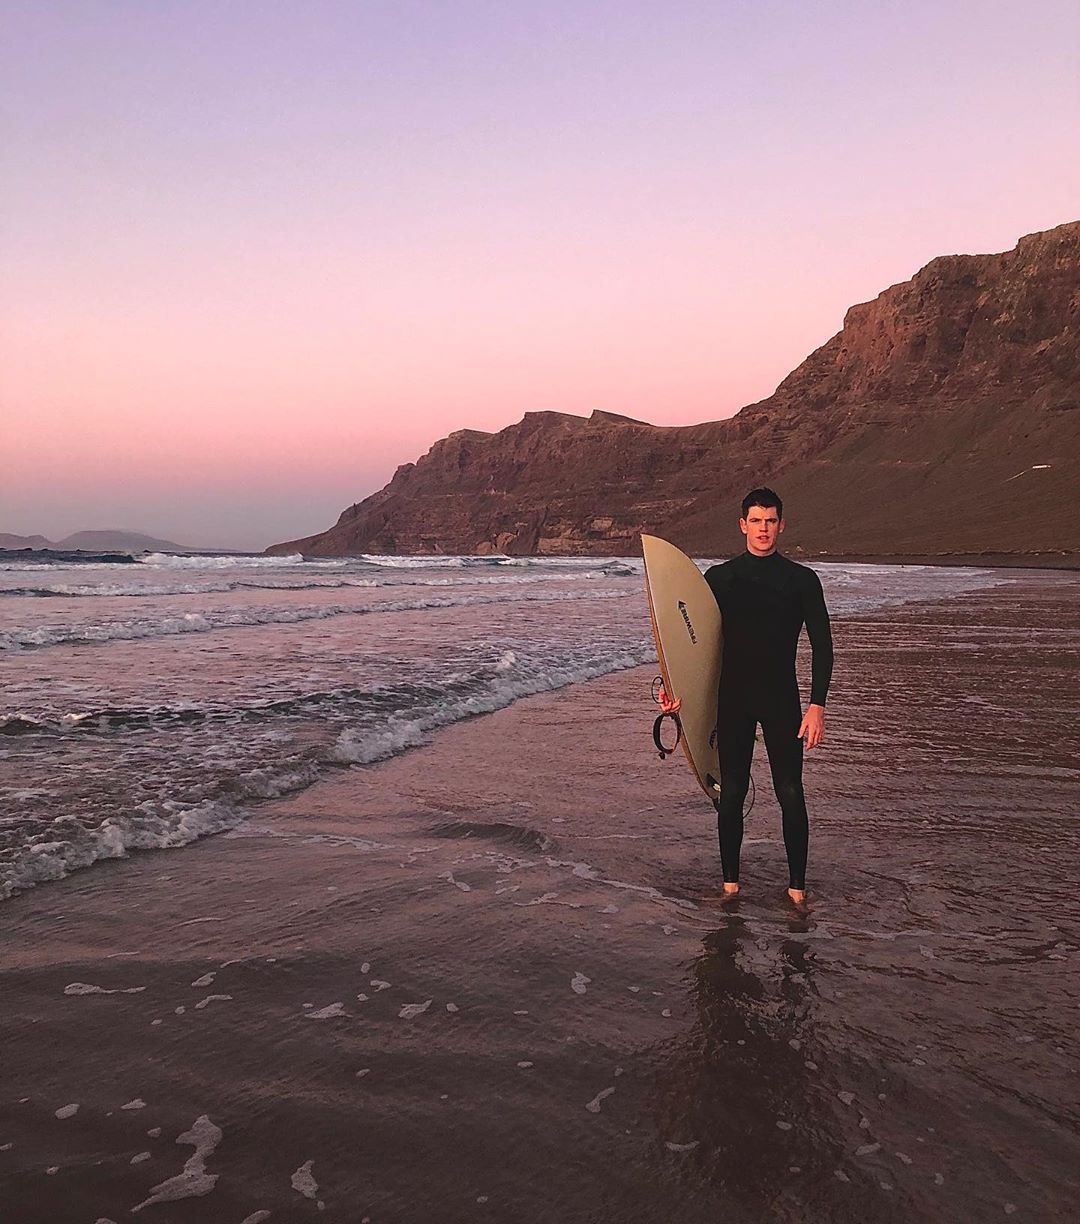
(930, 424)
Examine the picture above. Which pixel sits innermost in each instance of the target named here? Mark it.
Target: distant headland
(109, 540)
(941, 423)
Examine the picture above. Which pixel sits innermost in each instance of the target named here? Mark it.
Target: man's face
(761, 527)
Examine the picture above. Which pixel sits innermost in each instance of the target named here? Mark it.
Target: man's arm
(819, 631)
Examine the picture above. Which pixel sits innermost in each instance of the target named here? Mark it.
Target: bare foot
(730, 893)
(798, 895)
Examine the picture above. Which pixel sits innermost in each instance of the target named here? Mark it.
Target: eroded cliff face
(944, 417)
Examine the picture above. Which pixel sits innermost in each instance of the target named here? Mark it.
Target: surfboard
(687, 627)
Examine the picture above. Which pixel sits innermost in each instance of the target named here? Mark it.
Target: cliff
(943, 418)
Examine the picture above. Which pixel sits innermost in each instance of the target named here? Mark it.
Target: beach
(487, 978)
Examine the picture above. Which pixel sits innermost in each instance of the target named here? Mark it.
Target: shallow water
(489, 978)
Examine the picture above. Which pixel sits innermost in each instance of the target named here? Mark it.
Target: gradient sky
(257, 254)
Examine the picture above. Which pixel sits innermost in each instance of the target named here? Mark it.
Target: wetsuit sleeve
(819, 632)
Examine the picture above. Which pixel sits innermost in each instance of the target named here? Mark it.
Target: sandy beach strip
(487, 979)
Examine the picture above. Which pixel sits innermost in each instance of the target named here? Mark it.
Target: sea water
(147, 704)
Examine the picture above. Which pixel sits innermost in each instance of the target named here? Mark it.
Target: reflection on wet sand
(741, 1086)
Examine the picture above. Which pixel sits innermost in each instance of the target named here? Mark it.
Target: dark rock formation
(943, 418)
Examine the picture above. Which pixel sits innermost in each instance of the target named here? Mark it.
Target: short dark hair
(765, 498)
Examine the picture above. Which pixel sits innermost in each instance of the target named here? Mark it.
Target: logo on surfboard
(689, 624)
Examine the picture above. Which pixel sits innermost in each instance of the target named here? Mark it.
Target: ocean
(146, 705)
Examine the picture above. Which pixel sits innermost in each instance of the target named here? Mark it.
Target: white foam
(594, 1105)
(85, 988)
(411, 1010)
(303, 1180)
(422, 561)
(137, 628)
(403, 731)
(327, 1013)
(367, 746)
(68, 1111)
(224, 561)
(194, 1181)
(137, 1103)
(211, 583)
(207, 979)
(152, 826)
(579, 983)
(212, 999)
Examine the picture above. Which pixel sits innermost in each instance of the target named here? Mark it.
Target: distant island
(941, 422)
(115, 539)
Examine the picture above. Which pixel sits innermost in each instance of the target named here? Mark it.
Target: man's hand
(813, 726)
(668, 704)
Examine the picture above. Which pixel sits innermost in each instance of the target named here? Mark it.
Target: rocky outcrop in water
(943, 418)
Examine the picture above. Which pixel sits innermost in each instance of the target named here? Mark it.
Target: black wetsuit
(765, 601)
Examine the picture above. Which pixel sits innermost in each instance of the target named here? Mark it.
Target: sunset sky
(256, 254)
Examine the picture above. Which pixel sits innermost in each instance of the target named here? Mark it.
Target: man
(765, 600)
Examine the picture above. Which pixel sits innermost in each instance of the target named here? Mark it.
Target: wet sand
(489, 980)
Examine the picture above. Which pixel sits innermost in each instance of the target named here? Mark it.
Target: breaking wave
(56, 847)
(42, 636)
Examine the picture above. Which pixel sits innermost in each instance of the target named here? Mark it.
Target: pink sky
(256, 256)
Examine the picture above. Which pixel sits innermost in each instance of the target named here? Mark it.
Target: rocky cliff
(943, 418)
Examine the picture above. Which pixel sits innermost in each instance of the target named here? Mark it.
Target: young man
(765, 600)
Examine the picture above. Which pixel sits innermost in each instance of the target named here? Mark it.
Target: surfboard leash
(664, 751)
(658, 725)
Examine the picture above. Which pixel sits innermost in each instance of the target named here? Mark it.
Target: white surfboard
(689, 641)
